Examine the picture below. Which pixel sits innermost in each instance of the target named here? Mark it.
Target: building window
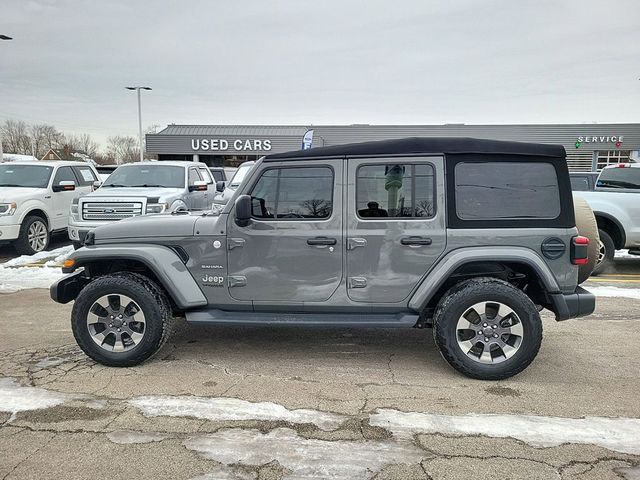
(395, 190)
(612, 157)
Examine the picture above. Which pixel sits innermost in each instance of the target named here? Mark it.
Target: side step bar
(367, 320)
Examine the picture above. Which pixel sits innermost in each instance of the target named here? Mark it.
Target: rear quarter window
(506, 191)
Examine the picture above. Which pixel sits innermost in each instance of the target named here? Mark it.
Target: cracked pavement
(586, 367)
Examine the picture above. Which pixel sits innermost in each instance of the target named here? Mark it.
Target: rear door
(395, 225)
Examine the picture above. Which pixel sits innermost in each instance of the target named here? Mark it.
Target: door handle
(415, 241)
(321, 241)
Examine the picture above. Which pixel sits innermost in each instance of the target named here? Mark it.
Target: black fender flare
(165, 264)
(439, 274)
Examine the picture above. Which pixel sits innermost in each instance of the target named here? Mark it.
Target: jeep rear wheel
(487, 329)
(120, 320)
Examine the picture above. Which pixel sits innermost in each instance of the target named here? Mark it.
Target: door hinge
(237, 281)
(357, 282)
(235, 242)
(355, 242)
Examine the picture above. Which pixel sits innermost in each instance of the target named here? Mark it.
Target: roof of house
(426, 146)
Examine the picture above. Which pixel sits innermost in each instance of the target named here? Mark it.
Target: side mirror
(220, 186)
(96, 185)
(243, 210)
(198, 186)
(64, 186)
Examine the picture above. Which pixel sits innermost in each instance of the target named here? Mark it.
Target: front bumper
(573, 305)
(9, 233)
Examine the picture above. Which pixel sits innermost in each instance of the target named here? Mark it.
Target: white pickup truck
(35, 198)
(616, 205)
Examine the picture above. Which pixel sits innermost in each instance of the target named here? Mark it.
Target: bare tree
(82, 142)
(15, 137)
(43, 137)
(123, 149)
(53, 138)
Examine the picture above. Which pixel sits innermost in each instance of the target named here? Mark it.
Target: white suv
(35, 198)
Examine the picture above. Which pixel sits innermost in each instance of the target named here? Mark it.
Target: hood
(148, 192)
(15, 194)
(151, 226)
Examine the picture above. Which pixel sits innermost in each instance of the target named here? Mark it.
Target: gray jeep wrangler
(470, 237)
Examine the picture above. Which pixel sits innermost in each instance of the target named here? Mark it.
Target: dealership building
(589, 147)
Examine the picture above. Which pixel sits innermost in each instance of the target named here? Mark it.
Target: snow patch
(625, 254)
(49, 362)
(606, 291)
(15, 275)
(221, 409)
(306, 458)
(126, 437)
(618, 434)
(15, 398)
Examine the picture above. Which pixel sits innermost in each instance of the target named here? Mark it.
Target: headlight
(157, 207)
(74, 209)
(7, 208)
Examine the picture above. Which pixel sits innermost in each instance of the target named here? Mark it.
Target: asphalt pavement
(271, 403)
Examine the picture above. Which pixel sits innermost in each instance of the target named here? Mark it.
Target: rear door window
(395, 190)
(85, 176)
(206, 176)
(506, 190)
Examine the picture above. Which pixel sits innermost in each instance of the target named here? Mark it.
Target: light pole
(139, 117)
(3, 37)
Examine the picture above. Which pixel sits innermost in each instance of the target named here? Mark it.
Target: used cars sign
(221, 144)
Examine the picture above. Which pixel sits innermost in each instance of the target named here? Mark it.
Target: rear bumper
(573, 305)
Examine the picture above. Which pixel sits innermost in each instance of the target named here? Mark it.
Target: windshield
(33, 176)
(241, 174)
(166, 176)
(619, 178)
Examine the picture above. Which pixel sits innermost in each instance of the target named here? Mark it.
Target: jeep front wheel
(487, 329)
(120, 320)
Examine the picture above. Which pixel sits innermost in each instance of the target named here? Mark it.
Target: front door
(396, 225)
(291, 251)
(61, 201)
(195, 199)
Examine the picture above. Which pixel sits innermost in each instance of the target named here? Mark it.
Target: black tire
(151, 299)
(22, 245)
(587, 227)
(458, 300)
(605, 257)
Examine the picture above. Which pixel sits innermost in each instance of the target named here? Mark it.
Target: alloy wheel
(37, 236)
(602, 252)
(489, 332)
(116, 323)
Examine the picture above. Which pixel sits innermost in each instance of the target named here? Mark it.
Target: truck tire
(120, 320)
(606, 252)
(587, 227)
(34, 236)
(487, 329)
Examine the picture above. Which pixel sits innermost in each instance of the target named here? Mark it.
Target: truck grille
(106, 211)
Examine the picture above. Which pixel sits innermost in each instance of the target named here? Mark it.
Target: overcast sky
(320, 62)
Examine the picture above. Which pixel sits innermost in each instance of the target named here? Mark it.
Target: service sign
(613, 139)
(223, 144)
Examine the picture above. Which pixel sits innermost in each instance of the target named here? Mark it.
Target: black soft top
(425, 145)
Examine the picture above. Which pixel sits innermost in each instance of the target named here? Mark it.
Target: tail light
(579, 247)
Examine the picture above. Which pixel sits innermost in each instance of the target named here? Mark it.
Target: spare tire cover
(587, 227)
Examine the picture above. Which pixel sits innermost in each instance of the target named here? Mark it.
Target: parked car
(583, 181)
(219, 174)
(35, 198)
(105, 170)
(232, 186)
(142, 188)
(370, 234)
(616, 205)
